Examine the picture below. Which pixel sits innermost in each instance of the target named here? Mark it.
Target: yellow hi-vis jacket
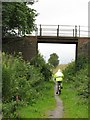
(59, 76)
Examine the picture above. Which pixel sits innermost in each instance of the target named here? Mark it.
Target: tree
(39, 62)
(53, 60)
(17, 16)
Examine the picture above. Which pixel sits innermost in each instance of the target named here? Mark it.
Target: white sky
(72, 12)
(62, 12)
(65, 52)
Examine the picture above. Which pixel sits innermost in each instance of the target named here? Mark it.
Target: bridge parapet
(62, 30)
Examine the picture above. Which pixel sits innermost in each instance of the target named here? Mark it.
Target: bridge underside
(62, 40)
(55, 39)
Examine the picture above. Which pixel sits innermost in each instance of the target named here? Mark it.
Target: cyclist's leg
(57, 87)
(61, 85)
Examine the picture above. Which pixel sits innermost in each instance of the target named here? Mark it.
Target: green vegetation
(75, 93)
(53, 60)
(40, 108)
(73, 105)
(23, 84)
(28, 90)
(44, 67)
(17, 16)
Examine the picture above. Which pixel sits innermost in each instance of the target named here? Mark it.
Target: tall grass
(75, 94)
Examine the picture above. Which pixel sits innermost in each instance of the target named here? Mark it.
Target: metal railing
(62, 30)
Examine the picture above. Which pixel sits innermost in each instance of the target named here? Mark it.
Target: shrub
(78, 79)
(81, 83)
(81, 61)
(39, 62)
(69, 72)
(22, 80)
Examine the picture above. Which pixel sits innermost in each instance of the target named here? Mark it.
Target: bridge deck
(55, 39)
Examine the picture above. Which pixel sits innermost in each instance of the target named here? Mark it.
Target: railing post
(75, 31)
(58, 31)
(36, 31)
(40, 30)
(79, 30)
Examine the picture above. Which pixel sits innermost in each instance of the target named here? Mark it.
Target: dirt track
(58, 111)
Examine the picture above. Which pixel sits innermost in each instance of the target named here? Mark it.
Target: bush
(69, 72)
(39, 62)
(81, 83)
(22, 80)
(81, 61)
(78, 79)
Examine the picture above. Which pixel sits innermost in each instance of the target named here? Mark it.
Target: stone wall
(26, 45)
(83, 45)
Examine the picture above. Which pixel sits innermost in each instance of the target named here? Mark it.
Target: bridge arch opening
(65, 52)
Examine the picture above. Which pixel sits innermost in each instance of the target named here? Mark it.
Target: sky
(62, 12)
(71, 12)
(65, 52)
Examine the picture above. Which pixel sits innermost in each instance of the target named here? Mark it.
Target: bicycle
(59, 88)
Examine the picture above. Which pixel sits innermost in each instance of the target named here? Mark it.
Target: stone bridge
(28, 45)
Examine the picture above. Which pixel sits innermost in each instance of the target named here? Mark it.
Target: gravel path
(58, 111)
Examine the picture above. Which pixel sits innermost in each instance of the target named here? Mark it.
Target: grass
(73, 105)
(43, 104)
(0, 109)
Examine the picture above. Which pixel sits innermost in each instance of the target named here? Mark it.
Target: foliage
(45, 102)
(69, 72)
(39, 62)
(17, 16)
(22, 80)
(0, 76)
(10, 110)
(81, 62)
(81, 83)
(78, 79)
(32, 1)
(75, 93)
(53, 60)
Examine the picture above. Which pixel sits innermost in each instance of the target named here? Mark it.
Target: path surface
(58, 111)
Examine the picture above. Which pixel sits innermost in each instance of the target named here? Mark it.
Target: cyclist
(59, 78)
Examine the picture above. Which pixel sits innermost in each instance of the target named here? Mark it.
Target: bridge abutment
(83, 45)
(26, 45)
(29, 45)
